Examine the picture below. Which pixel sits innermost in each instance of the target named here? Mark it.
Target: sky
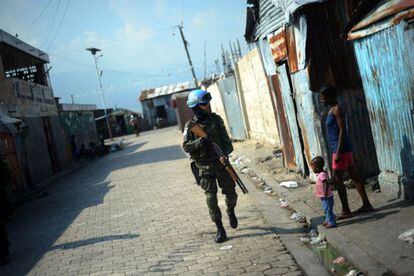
(140, 42)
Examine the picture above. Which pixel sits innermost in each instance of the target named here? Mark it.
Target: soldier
(5, 211)
(206, 168)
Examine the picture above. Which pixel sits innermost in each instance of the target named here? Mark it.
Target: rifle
(199, 132)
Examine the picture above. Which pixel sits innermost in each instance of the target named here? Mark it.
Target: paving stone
(136, 212)
(276, 271)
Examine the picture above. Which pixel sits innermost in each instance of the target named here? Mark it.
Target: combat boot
(221, 235)
(232, 219)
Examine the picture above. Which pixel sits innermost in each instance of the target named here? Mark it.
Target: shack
(79, 126)
(38, 143)
(119, 121)
(383, 40)
(156, 104)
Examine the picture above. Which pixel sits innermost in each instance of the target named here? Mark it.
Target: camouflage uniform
(210, 171)
(5, 210)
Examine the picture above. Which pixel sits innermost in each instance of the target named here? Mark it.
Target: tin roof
(165, 90)
(272, 15)
(78, 107)
(375, 20)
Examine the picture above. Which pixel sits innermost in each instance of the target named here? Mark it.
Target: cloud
(205, 18)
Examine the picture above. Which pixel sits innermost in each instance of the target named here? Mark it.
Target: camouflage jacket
(214, 127)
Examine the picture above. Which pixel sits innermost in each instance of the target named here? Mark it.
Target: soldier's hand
(223, 159)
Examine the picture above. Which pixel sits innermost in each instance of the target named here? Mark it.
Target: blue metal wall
(231, 102)
(386, 64)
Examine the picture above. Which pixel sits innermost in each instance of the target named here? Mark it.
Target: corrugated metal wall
(309, 117)
(271, 18)
(234, 114)
(386, 64)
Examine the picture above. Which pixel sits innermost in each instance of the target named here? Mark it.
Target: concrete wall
(257, 101)
(81, 124)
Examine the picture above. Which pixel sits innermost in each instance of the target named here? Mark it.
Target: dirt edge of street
(353, 253)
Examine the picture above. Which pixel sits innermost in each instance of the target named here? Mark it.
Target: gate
(9, 153)
(232, 108)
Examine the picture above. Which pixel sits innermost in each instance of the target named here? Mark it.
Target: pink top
(318, 189)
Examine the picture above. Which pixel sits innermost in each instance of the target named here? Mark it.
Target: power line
(138, 34)
(60, 25)
(37, 18)
(51, 25)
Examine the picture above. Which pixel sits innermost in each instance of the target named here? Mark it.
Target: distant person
(323, 191)
(134, 123)
(5, 212)
(342, 159)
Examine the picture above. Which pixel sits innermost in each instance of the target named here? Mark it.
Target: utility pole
(239, 49)
(73, 101)
(188, 54)
(217, 62)
(98, 75)
(205, 60)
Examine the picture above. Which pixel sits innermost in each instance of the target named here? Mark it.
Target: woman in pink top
(323, 191)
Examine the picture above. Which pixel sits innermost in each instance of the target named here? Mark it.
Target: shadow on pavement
(76, 244)
(39, 223)
(149, 156)
(268, 231)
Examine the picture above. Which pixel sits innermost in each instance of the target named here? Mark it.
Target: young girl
(323, 191)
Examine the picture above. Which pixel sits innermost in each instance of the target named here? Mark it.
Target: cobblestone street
(136, 212)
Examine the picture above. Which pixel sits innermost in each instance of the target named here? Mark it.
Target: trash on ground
(298, 217)
(283, 203)
(333, 270)
(317, 240)
(118, 146)
(268, 190)
(407, 236)
(245, 171)
(226, 247)
(339, 260)
(305, 240)
(354, 272)
(289, 184)
(313, 233)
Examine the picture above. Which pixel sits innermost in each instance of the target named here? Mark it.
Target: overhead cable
(37, 18)
(51, 25)
(60, 24)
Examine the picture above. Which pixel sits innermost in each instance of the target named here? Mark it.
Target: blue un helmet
(198, 97)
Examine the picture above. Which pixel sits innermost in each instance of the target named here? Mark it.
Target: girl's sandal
(327, 226)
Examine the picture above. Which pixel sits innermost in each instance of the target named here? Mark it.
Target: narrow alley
(138, 211)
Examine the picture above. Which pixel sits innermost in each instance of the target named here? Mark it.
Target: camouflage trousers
(211, 177)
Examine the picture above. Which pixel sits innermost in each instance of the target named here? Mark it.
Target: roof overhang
(16, 43)
(384, 15)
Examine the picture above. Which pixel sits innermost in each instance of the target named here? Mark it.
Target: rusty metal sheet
(278, 45)
(290, 112)
(291, 48)
(284, 133)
